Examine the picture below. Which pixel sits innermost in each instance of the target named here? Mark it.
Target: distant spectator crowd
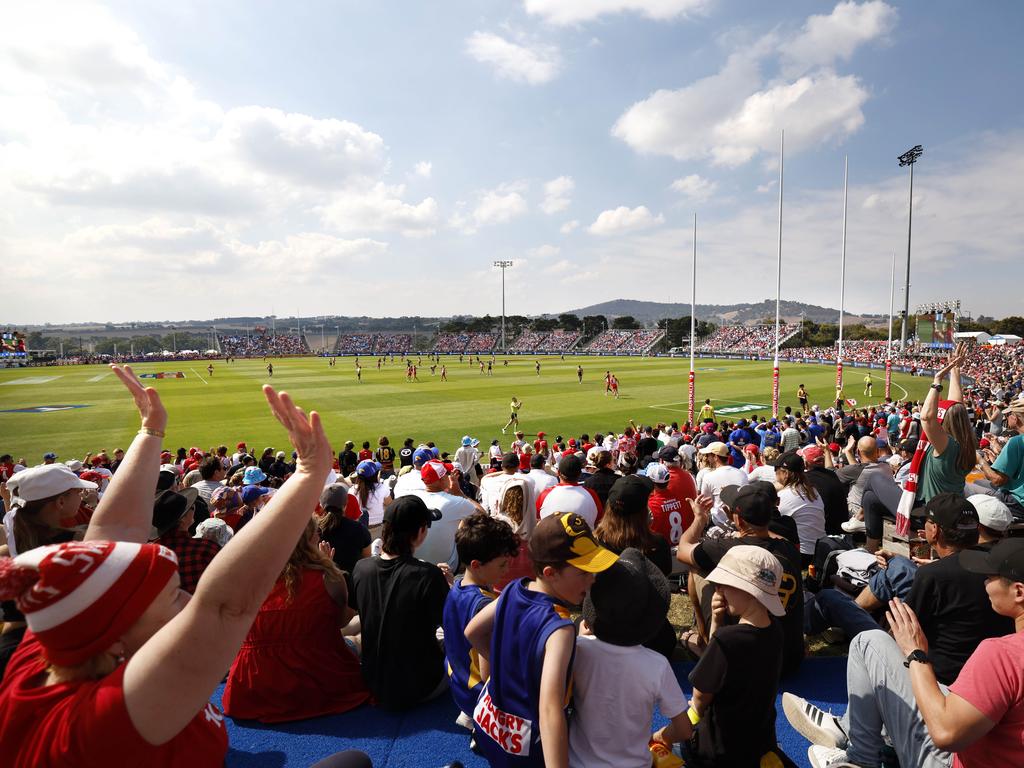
(751, 339)
(373, 344)
(263, 344)
(627, 341)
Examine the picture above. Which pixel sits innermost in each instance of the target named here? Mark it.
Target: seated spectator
(569, 495)
(716, 474)
(173, 515)
(798, 499)
(226, 504)
(1003, 465)
(978, 722)
(347, 539)
(750, 509)
(212, 473)
(486, 546)
(946, 598)
(215, 530)
(76, 687)
(615, 678)
(371, 494)
(444, 495)
(819, 468)
(294, 664)
(737, 679)
(400, 600)
(670, 515)
(602, 477)
(624, 525)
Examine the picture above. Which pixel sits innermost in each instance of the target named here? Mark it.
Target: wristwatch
(917, 655)
(937, 387)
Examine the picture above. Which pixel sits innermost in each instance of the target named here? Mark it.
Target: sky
(191, 160)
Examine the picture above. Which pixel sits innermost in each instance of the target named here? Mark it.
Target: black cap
(410, 513)
(629, 494)
(750, 502)
(668, 453)
(790, 460)
(628, 602)
(170, 507)
(510, 461)
(570, 466)
(1005, 559)
(952, 512)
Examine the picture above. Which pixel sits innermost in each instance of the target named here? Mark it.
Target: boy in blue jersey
(529, 641)
(486, 545)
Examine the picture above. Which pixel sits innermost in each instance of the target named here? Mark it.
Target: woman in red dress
(295, 664)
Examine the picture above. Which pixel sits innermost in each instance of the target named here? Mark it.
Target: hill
(732, 314)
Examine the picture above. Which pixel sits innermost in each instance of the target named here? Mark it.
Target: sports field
(228, 406)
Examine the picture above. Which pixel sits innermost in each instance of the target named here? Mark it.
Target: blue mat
(427, 737)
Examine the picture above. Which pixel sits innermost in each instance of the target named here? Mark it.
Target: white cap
(657, 473)
(992, 513)
(45, 481)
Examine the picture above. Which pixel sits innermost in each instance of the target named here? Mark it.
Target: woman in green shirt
(952, 452)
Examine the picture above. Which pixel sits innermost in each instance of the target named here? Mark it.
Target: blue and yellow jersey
(463, 603)
(507, 714)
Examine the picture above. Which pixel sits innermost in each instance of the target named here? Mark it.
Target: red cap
(240, 446)
(435, 470)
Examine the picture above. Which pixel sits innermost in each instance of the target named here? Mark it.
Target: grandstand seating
(259, 345)
(747, 339)
(458, 343)
(639, 341)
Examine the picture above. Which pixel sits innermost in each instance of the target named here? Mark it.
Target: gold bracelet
(151, 432)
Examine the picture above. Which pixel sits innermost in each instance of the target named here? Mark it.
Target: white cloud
(423, 169)
(695, 188)
(556, 194)
(379, 209)
(616, 221)
(735, 114)
(561, 267)
(825, 39)
(533, 64)
(569, 226)
(494, 206)
(564, 12)
(545, 251)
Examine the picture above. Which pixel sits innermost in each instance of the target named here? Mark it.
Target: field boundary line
(200, 377)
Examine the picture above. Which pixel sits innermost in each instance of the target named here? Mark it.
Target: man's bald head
(867, 447)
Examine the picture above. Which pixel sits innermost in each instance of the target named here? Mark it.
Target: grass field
(206, 411)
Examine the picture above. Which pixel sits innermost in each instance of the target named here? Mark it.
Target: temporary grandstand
(373, 344)
(464, 342)
(546, 341)
(622, 342)
(747, 339)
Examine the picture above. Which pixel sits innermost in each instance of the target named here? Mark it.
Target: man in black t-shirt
(348, 539)
(405, 453)
(401, 601)
(829, 486)
(750, 512)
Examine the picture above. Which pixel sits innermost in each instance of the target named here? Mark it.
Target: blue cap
(51, 455)
(368, 469)
(467, 440)
(422, 456)
(253, 475)
(435, 452)
(252, 492)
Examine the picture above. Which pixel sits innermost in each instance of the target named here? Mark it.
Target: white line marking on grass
(100, 377)
(30, 380)
(200, 377)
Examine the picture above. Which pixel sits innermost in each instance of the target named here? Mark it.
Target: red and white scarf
(910, 485)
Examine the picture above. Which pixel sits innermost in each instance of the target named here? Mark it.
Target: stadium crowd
(263, 344)
(373, 344)
(747, 338)
(625, 340)
(345, 568)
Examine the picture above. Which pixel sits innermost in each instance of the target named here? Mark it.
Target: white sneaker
(855, 526)
(465, 721)
(829, 757)
(816, 725)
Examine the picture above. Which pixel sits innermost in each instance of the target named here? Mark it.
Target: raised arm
(166, 682)
(125, 513)
(955, 389)
(930, 410)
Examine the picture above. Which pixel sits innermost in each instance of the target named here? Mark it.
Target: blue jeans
(835, 608)
(881, 696)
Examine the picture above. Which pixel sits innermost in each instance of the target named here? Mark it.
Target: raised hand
(326, 549)
(306, 433)
(906, 630)
(147, 399)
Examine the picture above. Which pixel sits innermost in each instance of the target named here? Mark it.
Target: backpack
(824, 566)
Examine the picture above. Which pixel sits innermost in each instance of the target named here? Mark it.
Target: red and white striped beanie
(80, 597)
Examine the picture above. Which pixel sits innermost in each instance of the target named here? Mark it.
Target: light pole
(908, 158)
(501, 264)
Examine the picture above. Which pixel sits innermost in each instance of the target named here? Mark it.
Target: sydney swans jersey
(507, 714)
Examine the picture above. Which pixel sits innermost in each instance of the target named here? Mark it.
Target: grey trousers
(881, 696)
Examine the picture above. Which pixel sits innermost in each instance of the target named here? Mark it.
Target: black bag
(824, 565)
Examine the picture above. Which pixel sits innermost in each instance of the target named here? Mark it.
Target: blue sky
(189, 160)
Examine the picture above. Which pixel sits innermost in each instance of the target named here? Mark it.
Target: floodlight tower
(502, 265)
(908, 158)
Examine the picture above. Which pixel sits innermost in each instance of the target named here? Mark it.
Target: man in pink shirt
(978, 722)
(569, 495)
